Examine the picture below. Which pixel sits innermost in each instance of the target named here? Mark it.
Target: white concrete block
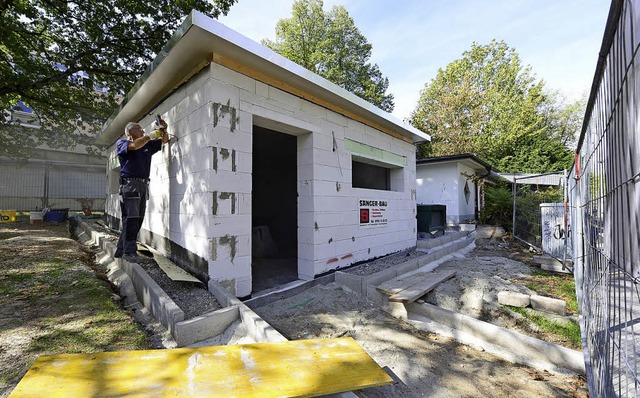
(232, 78)
(245, 122)
(306, 269)
(548, 304)
(262, 89)
(200, 117)
(234, 225)
(189, 224)
(243, 286)
(223, 94)
(227, 181)
(314, 110)
(324, 172)
(290, 101)
(221, 136)
(291, 124)
(196, 245)
(198, 159)
(513, 299)
(322, 140)
(305, 251)
(224, 159)
(305, 172)
(224, 251)
(326, 157)
(354, 130)
(198, 203)
(224, 203)
(244, 203)
(331, 203)
(190, 103)
(329, 219)
(306, 235)
(337, 119)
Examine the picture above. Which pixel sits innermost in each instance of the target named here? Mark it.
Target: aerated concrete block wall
(202, 183)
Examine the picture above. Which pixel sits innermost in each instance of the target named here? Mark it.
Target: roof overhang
(469, 160)
(201, 40)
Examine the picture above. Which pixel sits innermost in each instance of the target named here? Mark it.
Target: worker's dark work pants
(133, 204)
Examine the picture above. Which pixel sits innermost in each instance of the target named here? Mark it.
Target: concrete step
(366, 285)
(509, 345)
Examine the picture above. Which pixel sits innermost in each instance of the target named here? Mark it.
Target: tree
(330, 45)
(54, 54)
(489, 104)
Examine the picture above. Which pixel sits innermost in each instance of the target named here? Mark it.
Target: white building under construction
(271, 170)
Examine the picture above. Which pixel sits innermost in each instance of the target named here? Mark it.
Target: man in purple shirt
(134, 153)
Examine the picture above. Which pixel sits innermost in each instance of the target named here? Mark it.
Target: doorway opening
(274, 221)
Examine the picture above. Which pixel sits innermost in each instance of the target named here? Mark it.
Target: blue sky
(412, 39)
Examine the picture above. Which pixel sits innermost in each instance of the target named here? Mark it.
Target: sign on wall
(373, 212)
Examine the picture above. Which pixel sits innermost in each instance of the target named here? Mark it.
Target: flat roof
(200, 40)
(467, 159)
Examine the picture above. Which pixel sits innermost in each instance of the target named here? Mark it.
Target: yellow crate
(7, 216)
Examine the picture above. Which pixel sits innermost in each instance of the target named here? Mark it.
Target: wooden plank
(401, 283)
(292, 369)
(420, 289)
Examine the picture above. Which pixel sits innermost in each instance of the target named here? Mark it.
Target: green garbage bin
(431, 218)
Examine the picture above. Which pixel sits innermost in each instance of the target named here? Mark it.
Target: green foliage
(489, 104)
(47, 46)
(330, 45)
(498, 206)
(569, 331)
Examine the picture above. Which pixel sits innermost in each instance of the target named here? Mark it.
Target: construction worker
(134, 153)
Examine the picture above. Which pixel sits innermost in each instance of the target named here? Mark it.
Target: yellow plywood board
(301, 368)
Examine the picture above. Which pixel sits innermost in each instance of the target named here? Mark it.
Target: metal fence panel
(604, 193)
(537, 222)
(35, 185)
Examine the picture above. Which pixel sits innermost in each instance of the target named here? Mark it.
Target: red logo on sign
(364, 216)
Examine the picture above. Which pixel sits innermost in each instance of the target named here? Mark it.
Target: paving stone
(513, 299)
(548, 304)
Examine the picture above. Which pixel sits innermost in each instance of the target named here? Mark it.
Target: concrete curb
(365, 285)
(137, 286)
(507, 344)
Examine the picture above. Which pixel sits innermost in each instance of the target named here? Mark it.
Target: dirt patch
(423, 365)
(427, 364)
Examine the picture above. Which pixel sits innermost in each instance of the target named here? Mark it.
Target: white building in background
(264, 153)
(452, 181)
(52, 178)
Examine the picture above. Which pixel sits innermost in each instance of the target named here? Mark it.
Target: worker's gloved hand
(155, 134)
(161, 124)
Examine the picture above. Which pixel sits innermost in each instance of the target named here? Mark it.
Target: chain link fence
(604, 198)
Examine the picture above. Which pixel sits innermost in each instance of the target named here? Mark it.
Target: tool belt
(123, 180)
